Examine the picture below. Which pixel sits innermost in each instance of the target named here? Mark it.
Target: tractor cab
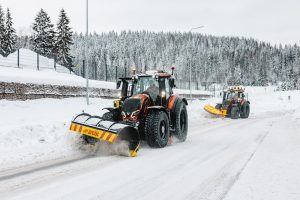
(158, 85)
(235, 94)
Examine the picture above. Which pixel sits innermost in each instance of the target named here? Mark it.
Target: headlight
(135, 113)
(163, 93)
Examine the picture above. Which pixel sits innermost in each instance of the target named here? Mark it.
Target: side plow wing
(113, 132)
(215, 111)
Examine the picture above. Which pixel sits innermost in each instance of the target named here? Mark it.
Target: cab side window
(167, 88)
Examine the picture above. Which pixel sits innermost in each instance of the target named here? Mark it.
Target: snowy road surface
(256, 158)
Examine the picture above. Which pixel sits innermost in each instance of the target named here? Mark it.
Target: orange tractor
(234, 104)
(146, 110)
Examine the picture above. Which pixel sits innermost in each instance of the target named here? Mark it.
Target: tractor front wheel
(245, 110)
(157, 130)
(234, 113)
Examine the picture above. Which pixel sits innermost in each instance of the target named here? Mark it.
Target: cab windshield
(147, 85)
(232, 94)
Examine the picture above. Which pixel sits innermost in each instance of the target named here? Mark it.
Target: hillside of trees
(212, 59)
(223, 60)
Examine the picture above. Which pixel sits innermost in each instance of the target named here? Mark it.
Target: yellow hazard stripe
(92, 132)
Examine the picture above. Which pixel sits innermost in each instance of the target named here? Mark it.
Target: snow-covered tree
(42, 40)
(63, 41)
(224, 60)
(9, 36)
(2, 32)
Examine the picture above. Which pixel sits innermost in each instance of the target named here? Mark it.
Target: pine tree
(10, 36)
(42, 39)
(2, 32)
(63, 41)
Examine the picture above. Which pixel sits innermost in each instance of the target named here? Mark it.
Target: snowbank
(35, 130)
(47, 76)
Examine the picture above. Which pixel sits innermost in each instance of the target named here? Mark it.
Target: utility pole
(86, 53)
(191, 65)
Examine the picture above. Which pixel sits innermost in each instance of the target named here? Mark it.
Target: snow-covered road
(256, 158)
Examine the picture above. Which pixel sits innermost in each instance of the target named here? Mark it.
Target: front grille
(130, 105)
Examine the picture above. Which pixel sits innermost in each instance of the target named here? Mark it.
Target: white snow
(28, 60)
(28, 73)
(255, 158)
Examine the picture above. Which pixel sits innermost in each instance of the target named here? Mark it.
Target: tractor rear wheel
(157, 129)
(234, 113)
(181, 122)
(245, 111)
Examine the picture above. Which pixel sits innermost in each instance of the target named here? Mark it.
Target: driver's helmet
(235, 95)
(152, 83)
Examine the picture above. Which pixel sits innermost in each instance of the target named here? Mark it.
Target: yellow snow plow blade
(92, 132)
(113, 132)
(215, 111)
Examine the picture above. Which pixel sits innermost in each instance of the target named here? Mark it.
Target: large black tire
(157, 129)
(89, 140)
(245, 111)
(181, 122)
(218, 106)
(111, 115)
(234, 112)
(141, 128)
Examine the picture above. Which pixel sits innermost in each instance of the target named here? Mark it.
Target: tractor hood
(133, 106)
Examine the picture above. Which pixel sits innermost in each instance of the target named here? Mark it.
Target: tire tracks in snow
(26, 170)
(217, 186)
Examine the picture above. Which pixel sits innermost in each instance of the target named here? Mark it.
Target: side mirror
(172, 82)
(118, 84)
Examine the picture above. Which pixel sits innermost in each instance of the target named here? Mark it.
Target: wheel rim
(182, 120)
(163, 129)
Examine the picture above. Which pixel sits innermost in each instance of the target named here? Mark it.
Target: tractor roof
(236, 89)
(152, 73)
(160, 73)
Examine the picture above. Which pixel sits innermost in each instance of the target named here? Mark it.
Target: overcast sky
(275, 21)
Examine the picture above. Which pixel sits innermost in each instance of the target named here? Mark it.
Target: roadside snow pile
(47, 76)
(37, 130)
(266, 99)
